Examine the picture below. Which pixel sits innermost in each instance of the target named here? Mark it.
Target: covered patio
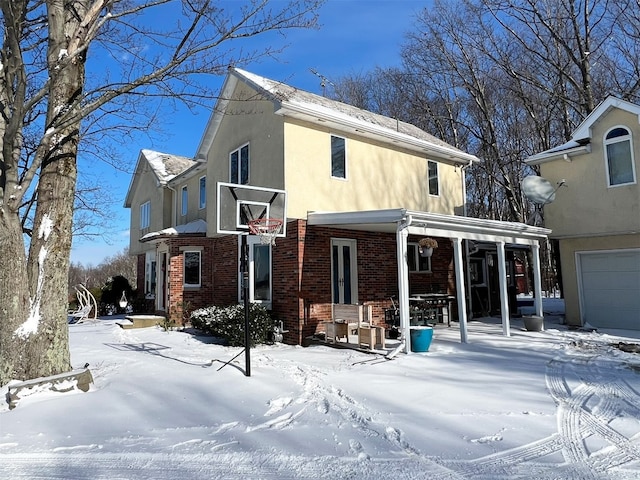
(457, 228)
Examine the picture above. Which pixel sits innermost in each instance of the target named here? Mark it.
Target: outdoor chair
(86, 305)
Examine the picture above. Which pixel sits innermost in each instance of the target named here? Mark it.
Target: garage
(609, 283)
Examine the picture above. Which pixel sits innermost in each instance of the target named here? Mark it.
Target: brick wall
(301, 280)
(194, 297)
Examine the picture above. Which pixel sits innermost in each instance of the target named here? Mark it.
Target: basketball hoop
(266, 228)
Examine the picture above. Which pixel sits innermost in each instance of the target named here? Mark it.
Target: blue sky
(355, 36)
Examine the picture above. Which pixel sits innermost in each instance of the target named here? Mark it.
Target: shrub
(228, 323)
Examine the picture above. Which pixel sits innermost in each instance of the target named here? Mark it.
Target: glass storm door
(344, 271)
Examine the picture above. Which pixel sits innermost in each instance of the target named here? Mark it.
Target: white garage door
(610, 288)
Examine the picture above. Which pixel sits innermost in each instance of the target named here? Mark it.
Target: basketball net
(266, 228)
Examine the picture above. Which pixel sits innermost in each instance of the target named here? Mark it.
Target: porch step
(141, 321)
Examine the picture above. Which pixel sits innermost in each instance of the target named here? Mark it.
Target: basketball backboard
(239, 204)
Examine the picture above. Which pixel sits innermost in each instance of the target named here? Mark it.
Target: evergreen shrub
(228, 323)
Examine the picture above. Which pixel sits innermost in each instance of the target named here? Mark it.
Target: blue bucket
(421, 338)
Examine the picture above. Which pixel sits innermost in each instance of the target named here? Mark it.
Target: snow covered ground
(557, 404)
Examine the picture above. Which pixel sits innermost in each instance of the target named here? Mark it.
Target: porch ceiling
(435, 224)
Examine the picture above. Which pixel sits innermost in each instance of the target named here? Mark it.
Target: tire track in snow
(583, 411)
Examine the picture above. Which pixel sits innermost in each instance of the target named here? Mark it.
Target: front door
(344, 271)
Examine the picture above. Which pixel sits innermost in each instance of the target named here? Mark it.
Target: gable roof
(581, 138)
(293, 102)
(164, 166)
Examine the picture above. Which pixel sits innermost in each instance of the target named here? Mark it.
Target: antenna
(539, 190)
(323, 80)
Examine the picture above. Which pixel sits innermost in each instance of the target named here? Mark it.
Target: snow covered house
(596, 216)
(361, 191)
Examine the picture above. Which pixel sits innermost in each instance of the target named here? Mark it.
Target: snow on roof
(167, 166)
(192, 228)
(294, 96)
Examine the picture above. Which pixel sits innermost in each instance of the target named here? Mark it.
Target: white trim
(353, 262)
(316, 114)
(145, 214)
(346, 170)
(239, 165)
(436, 224)
(429, 162)
(606, 142)
(184, 201)
(202, 204)
(252, 241)
(417, 258)
(578, 254)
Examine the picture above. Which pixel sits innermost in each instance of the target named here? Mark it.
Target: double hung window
(417, 263)
(145, 215)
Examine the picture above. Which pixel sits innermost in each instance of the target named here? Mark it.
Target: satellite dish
(539, 190)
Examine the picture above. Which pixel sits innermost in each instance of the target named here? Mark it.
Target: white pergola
(406, 222)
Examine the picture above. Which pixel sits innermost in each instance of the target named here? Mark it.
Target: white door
(610, 288)
(344, 271)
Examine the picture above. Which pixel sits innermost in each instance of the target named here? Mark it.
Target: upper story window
(203, 192)
(619, 157)
(239, 165)
(145, 215)
(417, 263)
(185, 201)
(434, 186)
(338, 157)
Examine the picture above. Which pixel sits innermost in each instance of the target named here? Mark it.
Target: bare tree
(53, 95)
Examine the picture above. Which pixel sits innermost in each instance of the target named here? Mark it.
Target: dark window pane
(619, 159)
(336, 275)
(261, 272)
(233, 167)
(192, 268)
(433, 178)
(346, 259)
(244, 165)
(338, 157)
(617, 132)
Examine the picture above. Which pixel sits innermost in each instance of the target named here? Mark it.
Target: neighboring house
(361, 188)
(596, 216)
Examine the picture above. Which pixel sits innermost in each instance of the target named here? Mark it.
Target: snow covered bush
(228, 323)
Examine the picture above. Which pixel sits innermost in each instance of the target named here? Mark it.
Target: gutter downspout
(402, 234)
(465, 213)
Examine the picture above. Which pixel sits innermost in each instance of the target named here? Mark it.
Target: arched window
(619, 156)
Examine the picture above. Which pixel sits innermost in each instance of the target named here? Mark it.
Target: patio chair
(86, 304)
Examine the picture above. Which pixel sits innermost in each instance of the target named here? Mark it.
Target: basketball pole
(245, 290)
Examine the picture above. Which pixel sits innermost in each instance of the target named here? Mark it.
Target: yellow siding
(587, 206)
(377, 176)
(147, 190)
(248, 120)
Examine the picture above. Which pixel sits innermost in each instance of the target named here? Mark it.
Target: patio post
(504, 296)
(537, 279)
(460, 290)
(402, 235)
